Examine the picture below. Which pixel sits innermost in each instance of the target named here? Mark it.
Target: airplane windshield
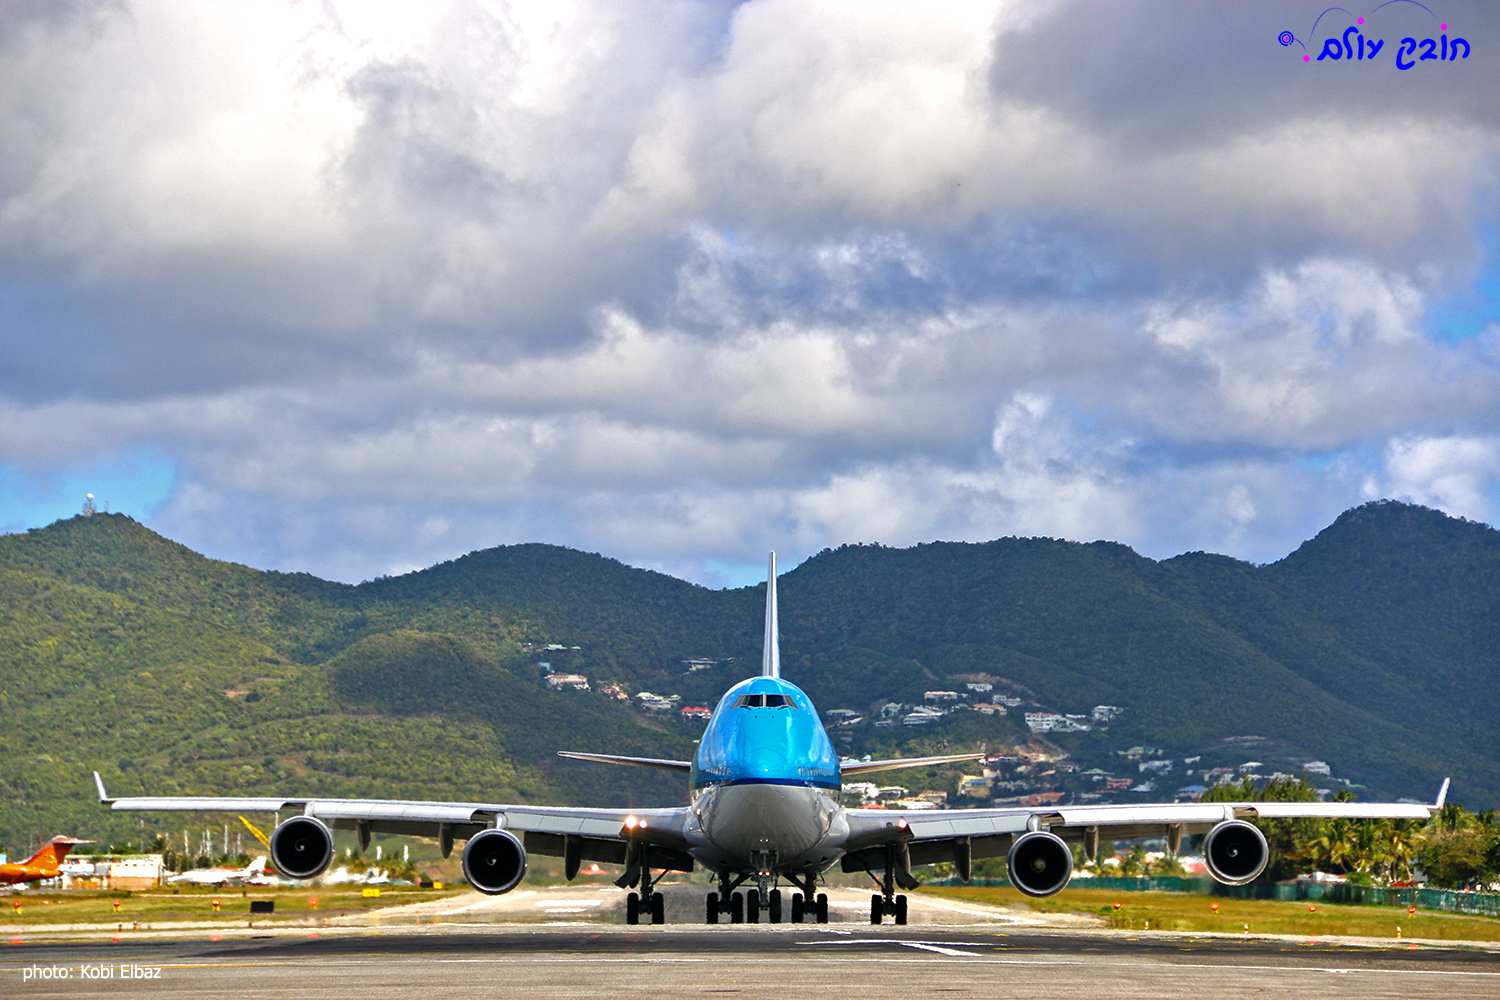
(765, 701)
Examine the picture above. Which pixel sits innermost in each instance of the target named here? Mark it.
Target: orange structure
(42, 864)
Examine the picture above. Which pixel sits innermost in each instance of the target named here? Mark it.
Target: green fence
(1479, 904)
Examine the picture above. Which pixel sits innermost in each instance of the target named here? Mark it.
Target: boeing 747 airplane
(764, 813)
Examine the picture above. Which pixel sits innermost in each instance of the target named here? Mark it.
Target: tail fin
(258, 866)
(53, 852)
(770, 663)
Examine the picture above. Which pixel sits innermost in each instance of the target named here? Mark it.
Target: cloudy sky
(353, 288)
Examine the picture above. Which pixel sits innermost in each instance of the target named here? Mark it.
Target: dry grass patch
(39, 909)
(1172, 911)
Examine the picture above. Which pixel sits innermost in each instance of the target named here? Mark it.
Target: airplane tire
(713, 907)
(737, 908)
(775, 906)
(901, 909)
(632, 909)
(658, 908)
(822, 908)
(799, 909)
(877, 909)
(752, 906)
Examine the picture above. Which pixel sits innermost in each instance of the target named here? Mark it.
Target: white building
(658, 703)
(1043, 722)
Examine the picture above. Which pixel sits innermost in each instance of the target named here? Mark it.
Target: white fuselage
(737, 827)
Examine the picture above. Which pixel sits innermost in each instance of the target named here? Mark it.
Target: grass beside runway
(1171, 911)
(41, 909)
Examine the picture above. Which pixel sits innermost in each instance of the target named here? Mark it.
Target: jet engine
(1039, 863)
(301, 847)
(1235, 852)
(494, 861)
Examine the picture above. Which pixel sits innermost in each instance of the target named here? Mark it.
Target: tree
(1288, 839)
(1457, 859)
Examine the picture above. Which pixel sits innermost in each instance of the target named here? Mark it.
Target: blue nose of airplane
(766, 762)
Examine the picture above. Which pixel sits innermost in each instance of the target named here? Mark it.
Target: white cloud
(1456, 474)
(683, 282)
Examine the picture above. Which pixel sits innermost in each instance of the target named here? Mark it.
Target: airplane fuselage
(15, 874)
(765, 784)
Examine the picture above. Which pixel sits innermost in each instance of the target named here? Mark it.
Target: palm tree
(1133, 865)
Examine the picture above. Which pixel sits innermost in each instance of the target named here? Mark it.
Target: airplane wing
(582, 834)
(929, 836)
(851, 768)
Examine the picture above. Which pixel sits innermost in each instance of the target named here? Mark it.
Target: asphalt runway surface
(582, 955)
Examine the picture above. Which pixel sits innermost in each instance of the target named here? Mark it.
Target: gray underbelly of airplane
(732, 826)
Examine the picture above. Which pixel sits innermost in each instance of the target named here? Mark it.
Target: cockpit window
(765, 701)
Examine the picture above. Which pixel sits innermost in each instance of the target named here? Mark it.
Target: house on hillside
(573, 682)
(1044, 722)
(657, 703)
(973, 786)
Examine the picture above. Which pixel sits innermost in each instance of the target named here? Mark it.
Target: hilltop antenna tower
(88, 505)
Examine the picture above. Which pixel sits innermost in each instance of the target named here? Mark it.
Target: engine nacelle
(301, 847)
(1235, 852)
(494, 861)
(1039, 863)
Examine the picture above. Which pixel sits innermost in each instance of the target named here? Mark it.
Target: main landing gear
(749, 906)
(887, 902)
(880, 907)
(648, 902)
(652, 904)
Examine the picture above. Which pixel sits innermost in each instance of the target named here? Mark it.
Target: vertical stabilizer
(53, 852)
(770, 663)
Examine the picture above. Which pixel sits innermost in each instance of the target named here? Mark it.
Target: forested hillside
(1374, 647)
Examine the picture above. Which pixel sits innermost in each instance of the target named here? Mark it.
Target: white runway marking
(941, 949)
(492, 901)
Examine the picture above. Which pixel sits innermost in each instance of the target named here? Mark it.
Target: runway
(588, 952)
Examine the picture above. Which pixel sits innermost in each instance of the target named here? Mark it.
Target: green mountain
(1375, 646)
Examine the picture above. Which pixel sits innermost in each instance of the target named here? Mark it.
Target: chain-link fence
(1480, 904)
